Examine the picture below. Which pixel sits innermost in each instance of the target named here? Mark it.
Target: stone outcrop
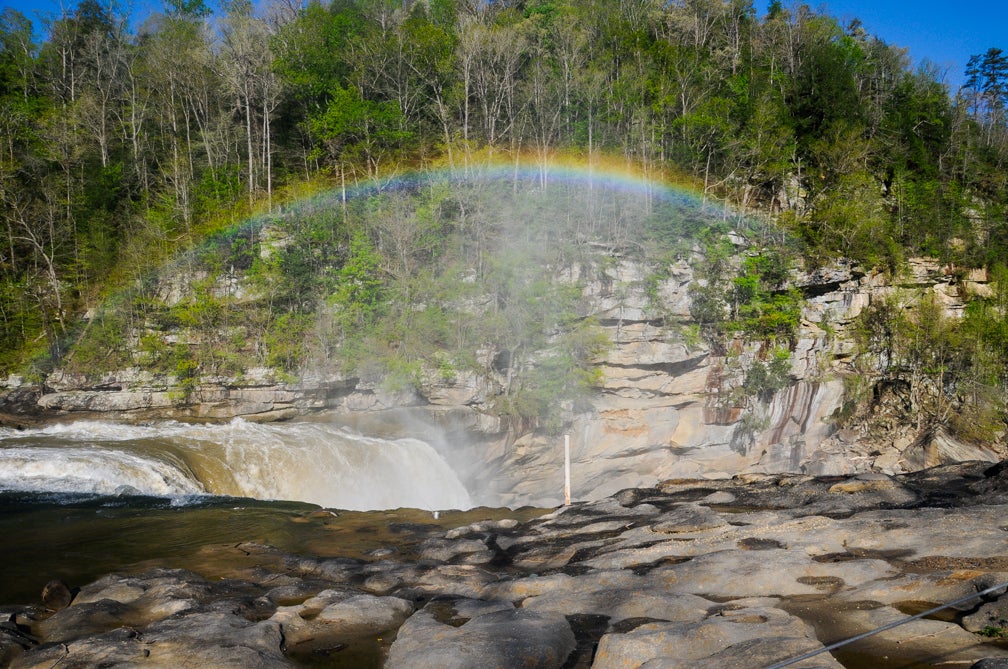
(661, 412)
(658, 415)
(744, 573)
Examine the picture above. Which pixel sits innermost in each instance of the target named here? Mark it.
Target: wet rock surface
(744, 572)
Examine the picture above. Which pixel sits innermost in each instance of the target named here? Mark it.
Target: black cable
(889, 626)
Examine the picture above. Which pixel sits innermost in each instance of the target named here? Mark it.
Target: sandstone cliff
(663, 410)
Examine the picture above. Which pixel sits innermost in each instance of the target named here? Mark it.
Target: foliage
(753, 300)
(558, 381)
(994, 631)
(954, 371)
(764, 379)
(122, 148)
(358, 295)
(101, 346)
(358, 131)
(762, 307)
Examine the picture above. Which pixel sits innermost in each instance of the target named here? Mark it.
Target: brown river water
(84, 499)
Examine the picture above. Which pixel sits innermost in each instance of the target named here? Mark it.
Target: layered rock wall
(662, 412)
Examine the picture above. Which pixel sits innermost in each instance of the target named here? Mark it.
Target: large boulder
(729, 639)
(497, 640)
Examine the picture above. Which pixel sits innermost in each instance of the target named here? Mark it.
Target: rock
(447, 550)
(114, 588)
(618, 604)
(720, 497)
(731, 637)
(84, 620)
(530, 586)
(454, 580)
(500, 639)
(991, 617)
(743, 573)
(481, 528)
(884, 489)
(216, 639)
(653, 577)
(333, 617)
(385, 576)
(13, 641)
(689, 518)
(362, 613)
(920, 642)
(757, 653)
(930, 587)
(197, 640)
(463, 389)
(117, 648)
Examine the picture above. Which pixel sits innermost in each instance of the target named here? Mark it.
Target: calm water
(78, 538)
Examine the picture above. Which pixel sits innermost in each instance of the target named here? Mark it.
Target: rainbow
(609, 173)
(634, 185)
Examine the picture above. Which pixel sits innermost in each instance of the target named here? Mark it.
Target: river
(82, 499)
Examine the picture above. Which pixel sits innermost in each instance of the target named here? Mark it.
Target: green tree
(353, 130)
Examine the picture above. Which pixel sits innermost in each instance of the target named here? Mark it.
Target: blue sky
(946, 33)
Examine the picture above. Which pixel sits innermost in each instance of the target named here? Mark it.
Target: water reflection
(81, 538)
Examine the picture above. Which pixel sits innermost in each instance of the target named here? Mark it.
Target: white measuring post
(567, 499)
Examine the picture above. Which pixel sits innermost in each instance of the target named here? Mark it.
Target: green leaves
(954, 371)
(359, 294)
(764, 378)
(352, 129)
(755, 302)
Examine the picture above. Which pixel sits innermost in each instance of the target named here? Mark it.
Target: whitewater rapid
(316, 462)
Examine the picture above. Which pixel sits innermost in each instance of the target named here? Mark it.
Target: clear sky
(946, 33)
(39, 10)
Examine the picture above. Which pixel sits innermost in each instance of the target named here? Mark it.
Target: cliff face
(664, 410)
(662, 414)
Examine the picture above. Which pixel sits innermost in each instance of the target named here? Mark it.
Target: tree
(428, 52)
(988, 74)
(17, 54)
(987, 80)
(491, 58)
(824, 87)
(353, 130)
(247, 70)
(313, 58)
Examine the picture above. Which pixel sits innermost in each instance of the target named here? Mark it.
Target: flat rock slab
(713, 573)
(497, 640)
(728, 639)
(334, 617)
(199, 640)
(689, 518)
(739, 573)
(991, 618)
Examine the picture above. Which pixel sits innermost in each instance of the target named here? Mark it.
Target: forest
(128, 140)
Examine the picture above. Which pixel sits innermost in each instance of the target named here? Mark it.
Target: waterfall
(315, 462)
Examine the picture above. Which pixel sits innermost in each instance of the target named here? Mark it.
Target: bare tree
(246, 67)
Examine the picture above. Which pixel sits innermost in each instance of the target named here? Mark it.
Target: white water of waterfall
(320, 463)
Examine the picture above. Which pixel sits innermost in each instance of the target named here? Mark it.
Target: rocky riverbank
(745, 572)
